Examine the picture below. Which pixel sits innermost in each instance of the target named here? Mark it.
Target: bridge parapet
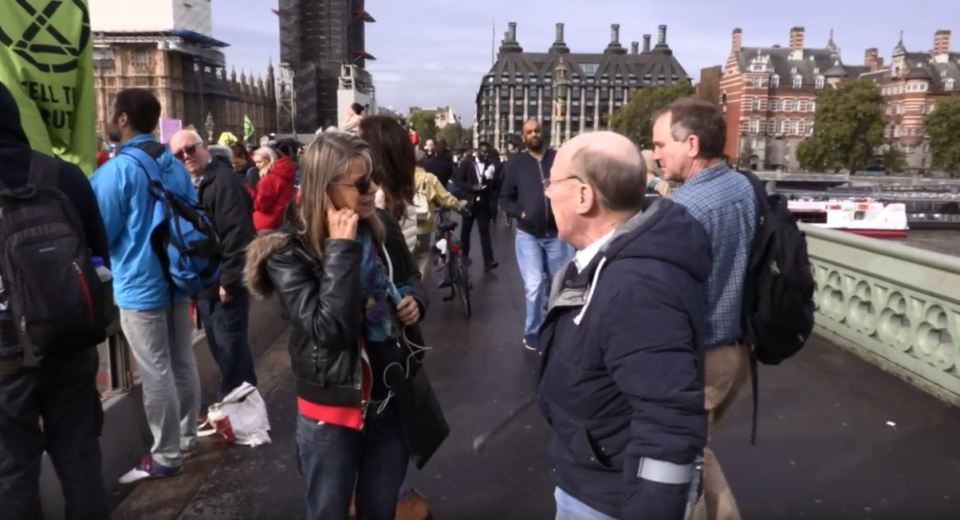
(894, 305)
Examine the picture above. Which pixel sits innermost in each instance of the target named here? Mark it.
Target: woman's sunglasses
(362, 185)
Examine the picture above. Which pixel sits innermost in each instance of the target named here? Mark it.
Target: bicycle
(455, 265)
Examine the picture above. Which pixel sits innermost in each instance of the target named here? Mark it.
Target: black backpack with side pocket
(54, 293)
(777, 313)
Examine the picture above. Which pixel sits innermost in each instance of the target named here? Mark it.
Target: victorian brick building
(912, 85)
(768, 95)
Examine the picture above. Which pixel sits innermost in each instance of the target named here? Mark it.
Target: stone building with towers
(167, 48)
(568, 92)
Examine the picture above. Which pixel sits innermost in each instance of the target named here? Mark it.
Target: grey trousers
(161, 343)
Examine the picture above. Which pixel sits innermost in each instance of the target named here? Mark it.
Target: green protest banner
(247, 128)
(46, 63)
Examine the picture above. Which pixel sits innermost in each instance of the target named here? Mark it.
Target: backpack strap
(754, 386)
(147, 163)
(44, 172)
(761, 201)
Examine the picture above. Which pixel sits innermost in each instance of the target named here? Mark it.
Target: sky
(434, 52)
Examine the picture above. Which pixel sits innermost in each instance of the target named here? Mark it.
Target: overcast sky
(434, 52)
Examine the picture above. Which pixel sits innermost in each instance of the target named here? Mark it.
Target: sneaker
(149, 469)
(531, 342)
(444, 283)
(491, 266)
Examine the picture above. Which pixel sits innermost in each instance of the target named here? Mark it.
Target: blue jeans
(539, 260)
(335, 460)
(570, 508)
(226, 328)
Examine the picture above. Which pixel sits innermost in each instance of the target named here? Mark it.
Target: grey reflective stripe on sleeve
(664, 472)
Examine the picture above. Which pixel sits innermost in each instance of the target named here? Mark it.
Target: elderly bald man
(224, 310)
(622, 378)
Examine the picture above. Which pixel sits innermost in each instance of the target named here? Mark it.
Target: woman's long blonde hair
(325, 160)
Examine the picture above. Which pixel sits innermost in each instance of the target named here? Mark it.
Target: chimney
(736, 40)
(941, 42)
(558, 46)
(634, 47)
(512, 32)
(661, 35)
(871, 59)
(646, 43)
(796, 38)
(615, 33)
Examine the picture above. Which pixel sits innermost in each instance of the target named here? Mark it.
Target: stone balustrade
(894, 305)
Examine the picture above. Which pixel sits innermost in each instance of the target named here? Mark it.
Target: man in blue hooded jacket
(621, 380)
(155, 319)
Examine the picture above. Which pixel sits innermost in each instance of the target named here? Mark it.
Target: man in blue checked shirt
(688, 139)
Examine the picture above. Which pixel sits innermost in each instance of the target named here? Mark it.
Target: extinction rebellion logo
(42, 41)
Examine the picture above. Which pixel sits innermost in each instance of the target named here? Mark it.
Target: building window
(141, 58)
(754, 126)
(819, 83)
(797, 81)
(775, 81)
(802, 105)
(748, 104)
(762, 104)
(948, 84)
(813, 106)
(788, 105)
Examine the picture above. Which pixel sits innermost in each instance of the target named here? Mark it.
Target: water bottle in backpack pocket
(54, 295)
(184, 237)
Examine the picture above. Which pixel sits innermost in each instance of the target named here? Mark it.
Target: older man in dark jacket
(621, 380)
(224, 310)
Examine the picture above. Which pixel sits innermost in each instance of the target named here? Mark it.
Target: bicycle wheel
(463, 281)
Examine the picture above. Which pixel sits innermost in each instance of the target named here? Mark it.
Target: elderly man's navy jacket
(622, 371)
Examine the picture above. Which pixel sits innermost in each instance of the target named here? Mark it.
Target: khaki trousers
(727, 368)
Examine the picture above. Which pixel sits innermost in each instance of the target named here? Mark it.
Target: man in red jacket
(275, 189)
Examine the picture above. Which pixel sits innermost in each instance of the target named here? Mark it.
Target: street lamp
(209, 126)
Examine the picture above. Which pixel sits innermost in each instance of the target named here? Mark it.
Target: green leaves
(425, 123)
(943, 126)
(849, 126)
(634, 119)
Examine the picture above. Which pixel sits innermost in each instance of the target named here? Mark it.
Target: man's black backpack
(53, 290)
(777, 309)
(777, 313)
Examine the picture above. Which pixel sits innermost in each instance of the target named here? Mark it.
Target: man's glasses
(190, 149)
(548, 182)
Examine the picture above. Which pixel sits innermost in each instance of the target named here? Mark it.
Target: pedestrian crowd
(635, 268)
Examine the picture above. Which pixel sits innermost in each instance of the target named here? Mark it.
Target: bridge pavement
(838, 438)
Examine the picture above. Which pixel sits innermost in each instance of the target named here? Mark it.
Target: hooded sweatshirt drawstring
(593, 286)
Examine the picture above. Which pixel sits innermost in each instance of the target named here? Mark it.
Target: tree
(456, 135)
(943, 126)
(849, 126)
(425, 124)
(634, 119)
(894, 160)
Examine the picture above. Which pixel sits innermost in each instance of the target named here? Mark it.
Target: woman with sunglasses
(352, 293)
